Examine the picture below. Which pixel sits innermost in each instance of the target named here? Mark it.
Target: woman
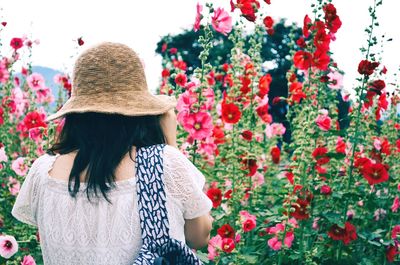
(82, 194)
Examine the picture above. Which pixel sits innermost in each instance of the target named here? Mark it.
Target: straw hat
(109, 78)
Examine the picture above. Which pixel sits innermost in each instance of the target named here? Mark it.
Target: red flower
(215, 196)
(251, 165)
(377, 86)
(346, 234)
(301, 211)
(391, 252)
(321, 60)
(1, 116)
(247, 135)
(334, 24)
(262, 111)
(340, 146)
(230, 113)
(248, 8)
(228, 245)
(320, 155)
(173, 50)
(181, 79)
(226, 231)
(249, 224)
(263, 85)
(276, 154)
(80, 41)
(218, 134)
(375, 173)
(34, 119)
(302, 60)
(322, 40)
(290, 177)
(296, 92)
(16, 43)
(366, 67)
(268, 22)
(165, 73)
(306, 26)
(326, 190)
(245, 85)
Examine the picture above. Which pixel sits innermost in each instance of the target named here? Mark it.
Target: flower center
(8, 244)
(197, 126)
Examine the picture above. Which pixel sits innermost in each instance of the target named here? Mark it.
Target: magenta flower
(196, 26)
(4, 75)
(28, 260)
(396, 204)
(8, 246)
(19, 166)
(214, 244)
(274, 243)
(323, 120)
(199, 125)
(35, 81)
(221, 21)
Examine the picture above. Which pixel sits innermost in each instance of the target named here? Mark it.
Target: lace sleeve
(25, 205)
(185, 183)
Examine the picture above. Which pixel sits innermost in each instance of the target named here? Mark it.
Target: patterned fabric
(158, 247)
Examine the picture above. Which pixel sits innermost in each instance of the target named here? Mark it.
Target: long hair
(101, 141)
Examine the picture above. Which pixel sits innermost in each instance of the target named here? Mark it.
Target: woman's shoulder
(42, 164)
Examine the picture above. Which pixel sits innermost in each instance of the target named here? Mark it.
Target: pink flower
(396, 204)
(207, 146)
(4, 75)
(199, 125)
(275, 244)
(199, 9)
(8, 246)
(335, 80)
(323, 120)
(14, 186)
(19, 166)
(209, 95)
(35, 81)
(221, 21)
(249, 221)
(214, 244)
(289, 237)
(28, 260)
(274, 129)
(44, 95)
(258, 179)
(35, 133)
(3, 155)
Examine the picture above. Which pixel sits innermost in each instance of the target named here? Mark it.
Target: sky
(140, 24)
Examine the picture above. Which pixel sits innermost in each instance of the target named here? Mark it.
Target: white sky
(140, 24)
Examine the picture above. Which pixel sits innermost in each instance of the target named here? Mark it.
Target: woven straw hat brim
(137, 103)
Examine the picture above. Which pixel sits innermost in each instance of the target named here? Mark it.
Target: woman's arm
(197, 231)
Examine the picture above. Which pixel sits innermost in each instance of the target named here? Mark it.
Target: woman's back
(76, 231)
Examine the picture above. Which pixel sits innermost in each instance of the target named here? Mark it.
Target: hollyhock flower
(289, 237)
(262, 112)
(247, 135)
(230, 113)
(179, 64)
(276, 155)
(302, 60)
(340, 146)
(274, 243)
(392, 252)
(44, 95)
(274, 129)
(221, 21)
(14, 186)
(396, 204)
(248, 8)
(290, 177)
(258, 179)
(199, 9)
(4, 75)
(213, 244)
(28, 260)
(319, 154)
(306, 26)
(375, 173)
(227, 245)
(249, 224)
(323, 121)
(268, 22)
(226, 231)
(366, 67)
(34, 119)
(335, 80)
(301, 210)
(16, 43)
(199, 125)
(326, 190)
(296, 92)
(35, 81)
(8, 246)
(263, 85)
(322, 40)
(3, 155)
(245, 85)
(377, 86)
(321, 60)
(209, 95)
(19, 166)
(346, 234)
(215, 196)
(395, 231)
(181, 79)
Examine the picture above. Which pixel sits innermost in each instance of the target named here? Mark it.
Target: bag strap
(151, 194)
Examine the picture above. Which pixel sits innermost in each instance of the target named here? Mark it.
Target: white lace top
(79, 232)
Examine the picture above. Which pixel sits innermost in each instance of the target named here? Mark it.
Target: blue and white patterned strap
(151, 195)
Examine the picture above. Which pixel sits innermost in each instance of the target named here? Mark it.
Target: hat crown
(108, 68)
